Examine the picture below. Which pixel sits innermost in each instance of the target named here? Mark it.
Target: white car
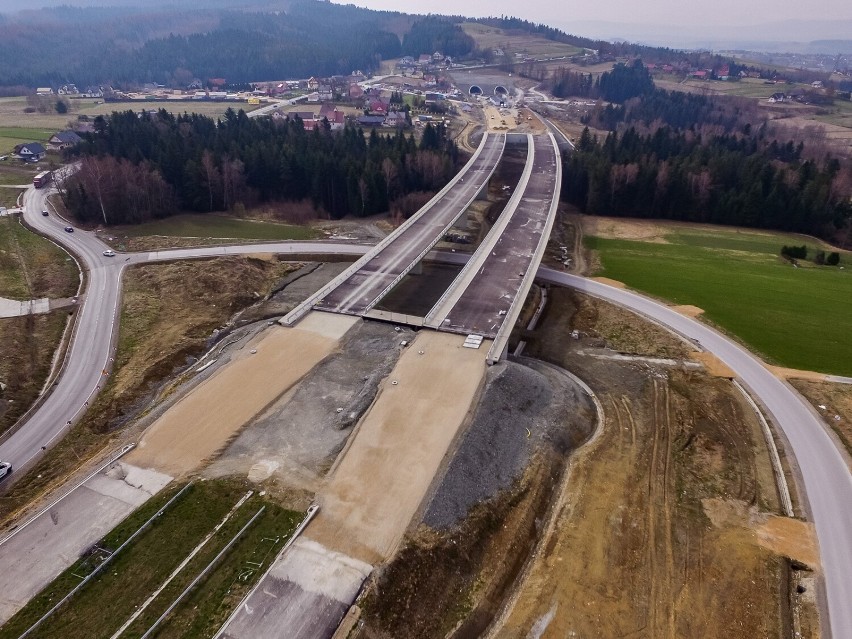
(109, 253)
(5, 469)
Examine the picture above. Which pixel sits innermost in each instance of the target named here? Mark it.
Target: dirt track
(398, 447)
(205, 420)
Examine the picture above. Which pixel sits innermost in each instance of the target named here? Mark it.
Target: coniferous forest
(133, 169)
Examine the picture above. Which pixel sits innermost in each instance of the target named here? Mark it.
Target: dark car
(44, 212)
(69, 229)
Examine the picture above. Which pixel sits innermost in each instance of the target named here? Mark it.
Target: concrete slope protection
(826, 476)
(374, 278)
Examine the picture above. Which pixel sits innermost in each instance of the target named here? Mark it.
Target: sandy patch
(688, 310)
(610, 282)
(624, 229)
(783, 536)
(400, 443)
(202, 422)
(713, 365)
(791, 538)
(792, 373)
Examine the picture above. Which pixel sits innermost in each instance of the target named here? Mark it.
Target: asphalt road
(362, 289)
(824, 472)
(826, 477)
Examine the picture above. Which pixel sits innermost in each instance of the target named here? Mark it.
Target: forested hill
(117, 46)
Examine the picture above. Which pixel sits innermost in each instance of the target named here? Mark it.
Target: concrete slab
(30, 560)
(17, 308)
(304, 596)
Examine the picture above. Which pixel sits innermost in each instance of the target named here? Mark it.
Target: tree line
(731, 179)
(133, 169)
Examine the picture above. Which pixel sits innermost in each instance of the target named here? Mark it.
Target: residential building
(30, 152)
(63, 140)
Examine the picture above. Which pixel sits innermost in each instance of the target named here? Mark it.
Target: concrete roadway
(362, 289)
(824, 471)
(486, 293)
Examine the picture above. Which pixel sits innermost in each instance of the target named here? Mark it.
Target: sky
(697, 16)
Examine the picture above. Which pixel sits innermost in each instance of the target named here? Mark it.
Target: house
(438, 56)
(724, 72)
(335, 117)
(816, 84)
(355, 91)
(44, 91)
(395, 119)
(378, 107)
(313, 84)
(699, 75)
(325, 92)
(30, 152)
(371, 120)
(93, 92)
(777, 97)
(424, 59)
(433, 98)
(63, 140)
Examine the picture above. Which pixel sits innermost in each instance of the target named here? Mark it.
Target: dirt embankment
(638, 548)
(482, 522)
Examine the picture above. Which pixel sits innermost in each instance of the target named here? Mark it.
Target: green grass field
(101, 607)
(795, 317)
(194, 225)
(10, 136)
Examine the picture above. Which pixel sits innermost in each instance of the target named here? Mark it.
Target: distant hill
(803, 36)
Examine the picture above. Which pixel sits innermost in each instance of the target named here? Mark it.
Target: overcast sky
(686, 13)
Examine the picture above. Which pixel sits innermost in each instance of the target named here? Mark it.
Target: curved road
(826, 477)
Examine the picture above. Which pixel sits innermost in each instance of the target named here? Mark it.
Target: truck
(42, 179)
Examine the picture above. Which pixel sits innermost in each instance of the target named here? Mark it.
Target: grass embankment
(168, 313)
(109, 600)
(30, 267)
(795, 317)
(196, 229)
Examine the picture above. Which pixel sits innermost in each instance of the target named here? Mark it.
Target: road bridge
(362, 285)
(487, 296)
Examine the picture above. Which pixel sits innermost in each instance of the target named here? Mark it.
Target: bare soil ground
(481, 523)
(634, 550)
(837, 399)
(290, 447)
(384, 474)
(205, 420)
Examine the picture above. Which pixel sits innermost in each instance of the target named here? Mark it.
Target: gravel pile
(524, 407)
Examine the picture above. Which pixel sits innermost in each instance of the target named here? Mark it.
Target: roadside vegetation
(795, 317)
(106, 602)
(31, 266)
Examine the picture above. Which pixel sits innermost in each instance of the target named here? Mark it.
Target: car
(44, 212)
(5, 470)
(69, 229)
(109, 253)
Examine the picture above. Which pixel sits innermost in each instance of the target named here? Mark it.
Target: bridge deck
(362, 289)
(487, 299)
